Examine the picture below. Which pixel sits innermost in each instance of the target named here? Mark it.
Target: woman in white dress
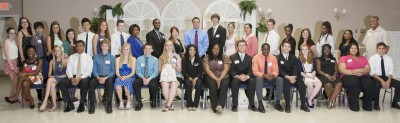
(307, 68)
(170, 77)
(231, 40)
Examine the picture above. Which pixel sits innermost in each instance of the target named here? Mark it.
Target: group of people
(217, 59)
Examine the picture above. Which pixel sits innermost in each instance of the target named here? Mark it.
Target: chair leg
(384, 95)
(227, 99)
(391, 94)
(183, 97)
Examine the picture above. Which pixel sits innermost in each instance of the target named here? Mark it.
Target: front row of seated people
(217, 72)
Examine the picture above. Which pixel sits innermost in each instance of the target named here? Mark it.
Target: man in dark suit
(287, 64)
(241, 73)
(216, 34)
(156, 38)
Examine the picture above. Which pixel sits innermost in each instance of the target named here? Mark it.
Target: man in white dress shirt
(79, 71)
(382, 74)
(118, 38)
(272, 37)
(374, 35)
(86, 36)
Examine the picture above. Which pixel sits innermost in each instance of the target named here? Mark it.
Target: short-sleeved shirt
(352, 64)
(217, 65)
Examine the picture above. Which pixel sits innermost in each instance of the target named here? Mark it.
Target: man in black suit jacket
(156, 38)
(241, 73)
(288, 70)
(216, 34)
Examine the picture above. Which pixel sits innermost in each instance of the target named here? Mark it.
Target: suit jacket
(241, 67)
(158, 45)
(301, 69)
(287, 67)
(219, 37)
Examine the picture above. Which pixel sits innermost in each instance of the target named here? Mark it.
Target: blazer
(158, 45)
(219, 37)
(287, 67)
(192, 70)
(136, 46)
(300, 68)
(241, 67)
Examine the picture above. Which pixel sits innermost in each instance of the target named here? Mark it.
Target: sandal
(128, 105)
(53, 108)
(121, 105)
(43, 107)
(171, 108)
(165, 109)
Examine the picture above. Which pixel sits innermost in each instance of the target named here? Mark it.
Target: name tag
(39, 41)
(350, 60)
(196, 64)
(173, 60)
(107, 61)
(282, 62)
(236, 61)
(59, 65)
(34, 67)
(332, 61)
(269, 64)
(142, 65)
(163, 36)
(217, 35)
(220, 62)
(101, 39)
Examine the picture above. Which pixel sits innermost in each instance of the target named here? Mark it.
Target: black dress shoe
(138, 107)
(252, 107)
(278, 107)
(109, 108)
(32, 106)
(395, 105)
(234, 109)
(81, 108)
(153, 104)
(287, 108)
(261, 109)
(69, 108)
(304, 108)
(376, 107)
(91, 108)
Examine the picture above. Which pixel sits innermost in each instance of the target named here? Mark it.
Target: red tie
(196, 39)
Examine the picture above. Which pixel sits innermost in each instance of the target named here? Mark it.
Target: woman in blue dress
(125, 70)
(102, 33)
(57, 72)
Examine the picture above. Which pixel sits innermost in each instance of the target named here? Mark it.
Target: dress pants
(188, 93)
(217, 95)
(356, 84)
(277, 82)
(108, 91)
(251, 89)
(153, 88)
(301, 87)
(394, 83)
(83, 86)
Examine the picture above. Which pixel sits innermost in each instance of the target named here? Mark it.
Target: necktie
(286, 58)
(146, 67)
(159, 36)
(241, 57)
(78, 71)
(266, 66)
(196, 39)
(122, 39)
(214, 30)
(103, 67)
(266, 38)
(383, 67)
(86, 43)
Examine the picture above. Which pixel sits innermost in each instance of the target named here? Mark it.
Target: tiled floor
(15, 114)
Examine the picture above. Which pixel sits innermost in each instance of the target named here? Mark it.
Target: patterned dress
(26, 40)
(125, 71)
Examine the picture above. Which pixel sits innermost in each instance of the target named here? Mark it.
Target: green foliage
(261, 27)
(103, 9)
(94, 24)
(117, 10)
(247, 6)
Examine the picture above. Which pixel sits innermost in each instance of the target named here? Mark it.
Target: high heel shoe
(32, 106)
(310, 106)
(10, 101)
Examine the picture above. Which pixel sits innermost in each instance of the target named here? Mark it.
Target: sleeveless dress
(26, 40)
(168, 67)
(230, 48)
(98, 43)
(124, 71)
(30, 67)
(12, 53)
(59, 71)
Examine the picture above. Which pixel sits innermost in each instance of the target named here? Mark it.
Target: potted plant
(117, 11)
(103, 10)
(261, 27)
(247, 6)
(94, 24)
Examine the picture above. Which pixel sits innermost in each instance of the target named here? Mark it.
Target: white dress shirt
(82, 36)
(372, 38)
(116, 42)
(273, 41)
(375, 64)
(86, 65)
(325, 39)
